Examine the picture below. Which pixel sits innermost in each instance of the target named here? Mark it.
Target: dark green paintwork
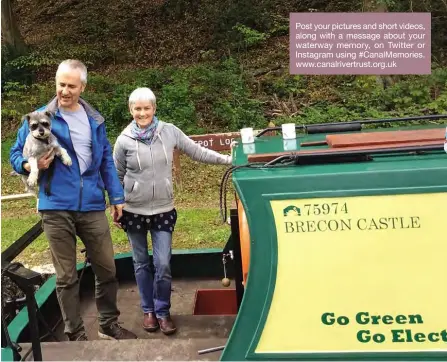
(7, 354)
(257, 187)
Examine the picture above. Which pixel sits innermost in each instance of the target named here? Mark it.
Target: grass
(195, 228)
(196, 200)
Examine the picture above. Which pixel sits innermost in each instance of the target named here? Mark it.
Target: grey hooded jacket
(146, 170)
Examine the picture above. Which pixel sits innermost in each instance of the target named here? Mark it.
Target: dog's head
(39, 124)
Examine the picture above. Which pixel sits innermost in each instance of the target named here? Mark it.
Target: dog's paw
(32, 180)
(67, 161)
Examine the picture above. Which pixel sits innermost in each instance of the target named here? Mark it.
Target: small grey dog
(39, 142)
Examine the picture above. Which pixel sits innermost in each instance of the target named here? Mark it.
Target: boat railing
(352, 126)
(26, 280)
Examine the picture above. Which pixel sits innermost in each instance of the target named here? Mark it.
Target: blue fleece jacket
(70, 190)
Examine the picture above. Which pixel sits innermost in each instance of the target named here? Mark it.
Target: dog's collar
(45, 140)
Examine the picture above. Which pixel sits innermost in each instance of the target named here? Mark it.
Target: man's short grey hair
(73, 64)
(142, 94)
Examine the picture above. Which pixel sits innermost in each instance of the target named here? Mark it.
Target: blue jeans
(155, 292)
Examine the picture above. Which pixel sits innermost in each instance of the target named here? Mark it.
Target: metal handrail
(355, 125)
(10, 253)
(25, 279)
(16, 197)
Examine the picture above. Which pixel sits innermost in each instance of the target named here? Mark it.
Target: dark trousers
(61, 228)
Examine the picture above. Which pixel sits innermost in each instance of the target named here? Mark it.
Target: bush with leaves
(200, 99)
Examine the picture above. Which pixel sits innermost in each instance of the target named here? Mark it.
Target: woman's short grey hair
(73, 64)
(142, 94)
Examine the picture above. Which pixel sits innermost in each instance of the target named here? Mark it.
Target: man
(73, 201)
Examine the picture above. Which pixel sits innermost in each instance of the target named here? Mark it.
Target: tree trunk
(10, 31)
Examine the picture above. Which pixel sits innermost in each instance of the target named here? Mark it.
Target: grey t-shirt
(81, 135)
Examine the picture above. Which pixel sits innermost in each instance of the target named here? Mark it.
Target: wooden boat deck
(194, 332)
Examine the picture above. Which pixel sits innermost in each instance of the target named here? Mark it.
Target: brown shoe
(115, 331)
(167, 325)
(150, 323)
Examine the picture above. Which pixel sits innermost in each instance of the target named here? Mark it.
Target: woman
(143, 157)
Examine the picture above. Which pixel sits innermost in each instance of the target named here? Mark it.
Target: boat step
(163, 349)
(188, 326)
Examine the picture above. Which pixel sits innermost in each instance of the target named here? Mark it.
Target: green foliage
(249, 37)
(254, 17)
(223, 98)
(34, 60)
(346, 98)
(216, 97)
(24, 69)
(285, 85)
(279, 25)
(19, 99)
(109, 96)
(416, 94)
(198, 99)
(11, 73)
(176, 105)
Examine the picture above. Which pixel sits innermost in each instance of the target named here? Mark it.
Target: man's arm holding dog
(110, 178)
(18, 162)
